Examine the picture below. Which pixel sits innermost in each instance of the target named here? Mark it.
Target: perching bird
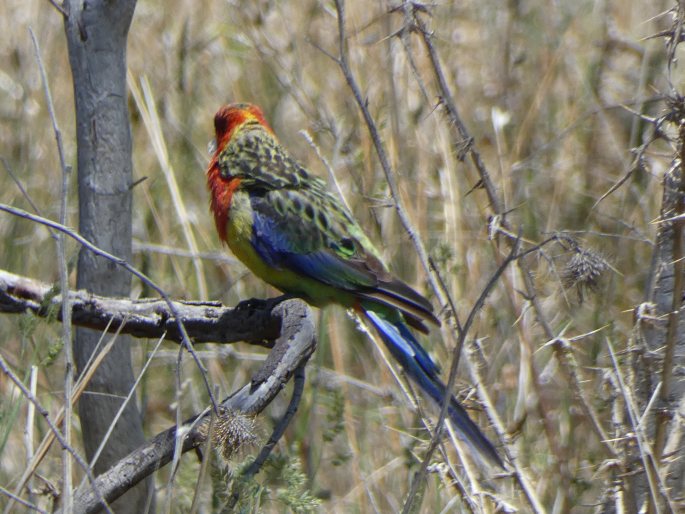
(284, 225)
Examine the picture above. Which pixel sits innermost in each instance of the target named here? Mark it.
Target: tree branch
(291, 350)
(252, 321)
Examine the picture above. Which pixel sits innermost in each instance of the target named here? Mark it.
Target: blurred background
(548, 90)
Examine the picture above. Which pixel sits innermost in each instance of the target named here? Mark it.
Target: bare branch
(21, 501)
(252, 320)
(63, 273)
(363, 105)
(61, 8)
(291, 351)
(674, 316)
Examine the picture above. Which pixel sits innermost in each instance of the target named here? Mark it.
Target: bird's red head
(231, 117)
(228, 119)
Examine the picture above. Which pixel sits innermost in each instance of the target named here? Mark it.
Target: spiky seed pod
(231, 432)
(583, 271)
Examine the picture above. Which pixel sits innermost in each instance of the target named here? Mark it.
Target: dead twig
(95, 489)
(63, 276)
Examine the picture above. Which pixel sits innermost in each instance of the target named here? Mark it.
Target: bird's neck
(221, 190)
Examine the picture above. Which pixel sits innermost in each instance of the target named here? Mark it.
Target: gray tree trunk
(96, 35)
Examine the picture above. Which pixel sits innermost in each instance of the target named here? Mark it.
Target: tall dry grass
(545, 88)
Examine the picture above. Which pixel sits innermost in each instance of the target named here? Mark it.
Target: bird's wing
(306, 230)
(291, 230)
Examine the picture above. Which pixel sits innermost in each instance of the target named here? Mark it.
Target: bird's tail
(420, 367)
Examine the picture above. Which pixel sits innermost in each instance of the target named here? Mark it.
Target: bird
(282, 222)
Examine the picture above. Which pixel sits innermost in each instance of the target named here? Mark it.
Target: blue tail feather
(422, 369)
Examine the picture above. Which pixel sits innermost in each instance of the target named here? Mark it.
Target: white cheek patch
(211, 146)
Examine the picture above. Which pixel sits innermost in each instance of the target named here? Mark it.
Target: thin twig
(58, 435)
(21, 501)
(404, 34)
(343, 63)
(126, 401)
(30, 423)
(327, 165)
(61, 8)
(656, 485)
(63, 278)
(25, 193)
(221, 257)
(179, 435)
(520, 473)
(564, 353)
(205, 456)
(421, 474)
(465, 144)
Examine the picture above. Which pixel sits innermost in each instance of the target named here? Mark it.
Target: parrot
(282, 222)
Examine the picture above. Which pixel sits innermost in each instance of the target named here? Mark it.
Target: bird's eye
(211, 147)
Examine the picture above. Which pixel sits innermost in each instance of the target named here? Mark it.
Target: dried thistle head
(583, 271)
(232, 431)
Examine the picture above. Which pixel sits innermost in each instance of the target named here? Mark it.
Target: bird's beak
(211, 146)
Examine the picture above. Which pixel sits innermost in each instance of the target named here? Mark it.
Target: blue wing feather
(304, 253)
(324, 243)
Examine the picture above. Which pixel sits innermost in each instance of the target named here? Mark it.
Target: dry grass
(540, 86)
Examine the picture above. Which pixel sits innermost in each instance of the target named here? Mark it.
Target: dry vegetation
(546, 89)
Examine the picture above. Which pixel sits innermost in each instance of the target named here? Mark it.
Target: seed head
(583, 271)
(232, 431)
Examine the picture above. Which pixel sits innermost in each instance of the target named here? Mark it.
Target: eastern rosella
(284, 225)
